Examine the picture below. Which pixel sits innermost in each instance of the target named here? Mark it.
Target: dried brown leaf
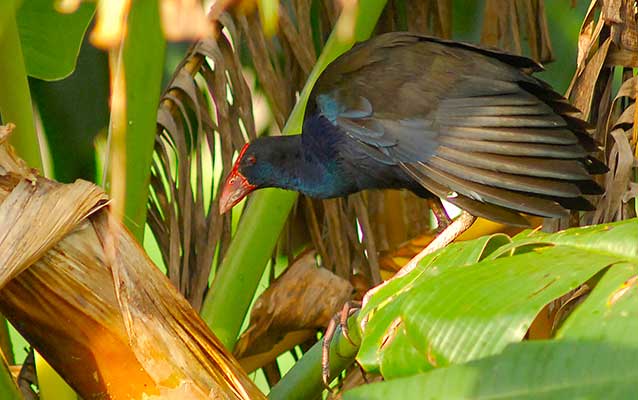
(191, 120)
(444, 9)
(9, 160)
(285, 343)
(506, 21)
(338, 245)
(28, 378)
(629, 32)
(272, 81)
(611, 11)
(621, 162)
(632, 193)
(303, 53)
(501, 25)
(588, 36)
(56, 208)
(103, 316)
(538, 31)
(583, 92)
(304, 298)
(316, 233)
(184, 20)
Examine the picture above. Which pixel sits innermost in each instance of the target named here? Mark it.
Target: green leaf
(610, 311)
(51, 40)
(15, 99)
(530, 370)
(389, 300)
(72, 116)
(454, 309)
(614, 239)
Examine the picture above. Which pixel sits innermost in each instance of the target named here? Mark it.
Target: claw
(349, 308)
(340, 320)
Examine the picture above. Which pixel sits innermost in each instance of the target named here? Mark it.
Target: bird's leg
(443, 220)
(325, 352)
(447, 236)
(339, 320)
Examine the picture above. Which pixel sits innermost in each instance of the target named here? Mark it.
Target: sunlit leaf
(610, 311)
(532, 370)
(454, 309)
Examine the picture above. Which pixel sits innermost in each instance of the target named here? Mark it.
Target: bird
(469, 125)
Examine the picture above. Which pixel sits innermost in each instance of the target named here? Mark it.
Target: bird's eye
(232, 180)
(251, 159)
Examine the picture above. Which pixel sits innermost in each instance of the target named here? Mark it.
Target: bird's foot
(340, 320)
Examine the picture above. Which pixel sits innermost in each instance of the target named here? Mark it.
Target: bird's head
(237, 184)
(261, 163)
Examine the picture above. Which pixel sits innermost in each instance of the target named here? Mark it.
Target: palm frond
(198, 126)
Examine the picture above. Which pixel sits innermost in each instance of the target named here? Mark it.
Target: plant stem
(303, 381)
(8, 388)
(143, 63)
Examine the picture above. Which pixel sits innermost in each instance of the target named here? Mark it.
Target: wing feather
(477, 208)
(500, 140)
(513, 134)
(530, 166)
(520, 183)
(488, 194)
(515, 148)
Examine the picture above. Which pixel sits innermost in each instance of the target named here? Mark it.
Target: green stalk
(143, 64)
(15, 98)
(50, 384)
(234, 287)
(6, 347)
(8, 388)
(304, 381)
(8, 10)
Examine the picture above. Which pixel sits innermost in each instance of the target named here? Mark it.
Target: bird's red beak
(235, 188)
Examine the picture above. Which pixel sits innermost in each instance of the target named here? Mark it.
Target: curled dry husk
(297, 304)
(81, 290)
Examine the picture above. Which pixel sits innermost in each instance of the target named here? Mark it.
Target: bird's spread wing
(470, 125)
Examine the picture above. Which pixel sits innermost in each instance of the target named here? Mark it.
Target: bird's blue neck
(291, 166)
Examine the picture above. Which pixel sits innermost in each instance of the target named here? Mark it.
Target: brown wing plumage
(468, 124)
